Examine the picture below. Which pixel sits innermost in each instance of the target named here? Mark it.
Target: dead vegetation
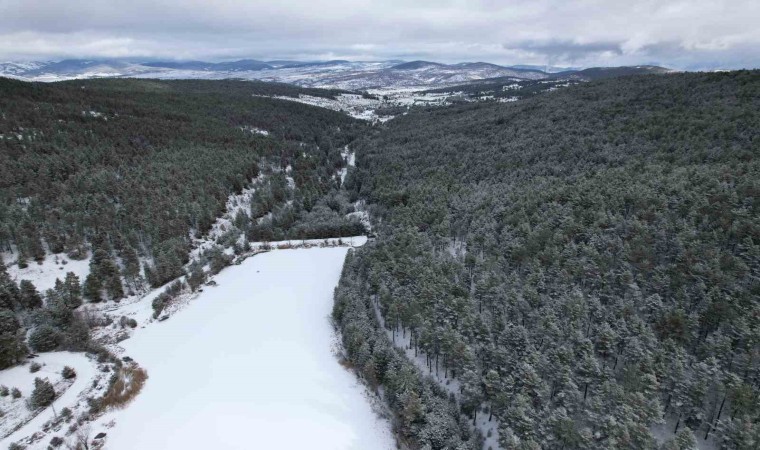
(127, 383)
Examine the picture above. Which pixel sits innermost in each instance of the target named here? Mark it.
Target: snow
(249, 363)
(43, 275)
(21, 378)
(255, 130)
(350, 157)
(509, 87)
(93, 114)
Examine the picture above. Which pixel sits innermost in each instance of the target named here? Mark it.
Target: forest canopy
(585, 263)
(139, 163)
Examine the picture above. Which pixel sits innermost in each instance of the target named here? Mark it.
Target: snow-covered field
(352, 104)
(359, 107)
(250, 363)
(44, 275)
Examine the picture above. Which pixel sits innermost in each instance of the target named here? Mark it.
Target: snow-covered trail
(52, 363)
(249, 364)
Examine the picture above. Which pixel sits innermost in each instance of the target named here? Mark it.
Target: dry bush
(95, 319)
(347, 364)
(128, 383)
(80, 439)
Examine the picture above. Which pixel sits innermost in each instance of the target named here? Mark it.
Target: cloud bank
(686, 34)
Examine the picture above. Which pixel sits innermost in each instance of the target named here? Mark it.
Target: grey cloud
(675, 33)
(567, 51)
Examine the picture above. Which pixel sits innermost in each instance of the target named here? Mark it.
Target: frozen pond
(249, 364)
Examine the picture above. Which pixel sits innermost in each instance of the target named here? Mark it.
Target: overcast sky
(689, 34)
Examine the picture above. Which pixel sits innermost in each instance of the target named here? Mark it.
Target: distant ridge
(415, 65)
(599, 73)
(481, 65)
(338, 73)
(297, 64)
(243, 64)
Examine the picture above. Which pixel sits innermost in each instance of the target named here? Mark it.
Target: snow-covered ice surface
(250, 364)
(20, 377)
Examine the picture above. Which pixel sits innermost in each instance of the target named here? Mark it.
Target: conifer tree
(131, 264)
(114, 287)
(45, 338)
(29, 297)
(43, 393)
(93, 286)
(72, 291)
(10, 295)
(12, 347)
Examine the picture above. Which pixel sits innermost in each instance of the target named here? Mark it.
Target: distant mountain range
(333, 74)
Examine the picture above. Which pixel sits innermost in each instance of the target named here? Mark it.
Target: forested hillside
(126, 172)
(585, 263)
(140, 163)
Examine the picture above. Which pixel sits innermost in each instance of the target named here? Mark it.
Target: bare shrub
(125, 321)
(80, 439)
(128, 382)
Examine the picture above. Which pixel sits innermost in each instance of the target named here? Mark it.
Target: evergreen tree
(72, 291)
(45, 338)
(12, 347)
(29, 297)
(93, 287)
(42, 395)
(131, 262)
(114, 287)
(10, 295)
(683, 440)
